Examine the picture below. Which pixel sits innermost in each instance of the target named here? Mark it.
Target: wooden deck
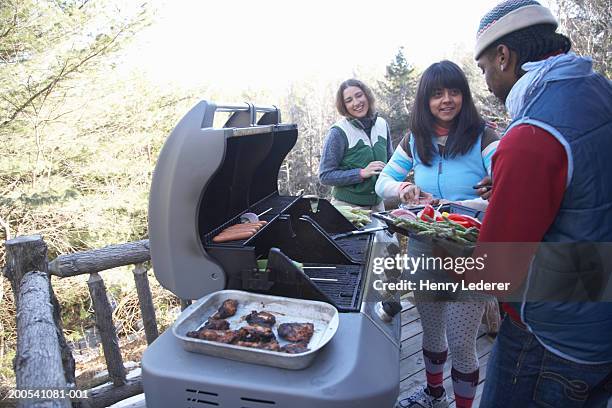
(412, 368)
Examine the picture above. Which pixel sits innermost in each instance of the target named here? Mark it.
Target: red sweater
(529, 177)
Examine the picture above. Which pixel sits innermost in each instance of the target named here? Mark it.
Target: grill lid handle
(242, 115)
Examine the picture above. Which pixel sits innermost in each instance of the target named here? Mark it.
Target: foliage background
(80, 137)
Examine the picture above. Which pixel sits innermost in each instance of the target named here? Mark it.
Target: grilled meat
(217, 324)
(193, 334)
(221, 336)
(295, 348)
(227, 309)
(296, 332)
(271, 345)
(256, 334)
(261, 318)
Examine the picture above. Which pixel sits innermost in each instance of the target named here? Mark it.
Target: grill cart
(205, 180)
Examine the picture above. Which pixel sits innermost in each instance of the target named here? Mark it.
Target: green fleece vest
(361, 151)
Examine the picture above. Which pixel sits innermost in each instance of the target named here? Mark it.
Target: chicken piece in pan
(227, 309)
(261, 318)
(295, 348)
(193, 334)
(296, 332)
(271, 345)
(256, 334)
(221, 336)
(217, 324)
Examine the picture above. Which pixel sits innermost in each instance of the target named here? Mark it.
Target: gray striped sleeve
(389, 144)
(334, 148)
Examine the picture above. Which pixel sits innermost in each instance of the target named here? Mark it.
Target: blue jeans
(523, 374)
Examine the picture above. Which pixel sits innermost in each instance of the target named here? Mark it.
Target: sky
(267, 44)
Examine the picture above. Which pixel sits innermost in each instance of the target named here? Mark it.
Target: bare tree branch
(65, 71)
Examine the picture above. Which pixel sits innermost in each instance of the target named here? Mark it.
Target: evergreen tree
(396, 93)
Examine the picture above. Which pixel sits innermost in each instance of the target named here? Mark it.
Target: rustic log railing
(44, 359)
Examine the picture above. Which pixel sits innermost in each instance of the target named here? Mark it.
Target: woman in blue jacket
(449, 149)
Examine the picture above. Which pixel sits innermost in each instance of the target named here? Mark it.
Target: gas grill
(205, 180)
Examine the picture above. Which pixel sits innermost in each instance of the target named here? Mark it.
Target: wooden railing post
(108, 335)
(24, 254)
(38, 362)
(43, 359)
(147, 310)
(29, 253)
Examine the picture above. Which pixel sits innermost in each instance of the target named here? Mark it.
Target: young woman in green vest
(356, 148)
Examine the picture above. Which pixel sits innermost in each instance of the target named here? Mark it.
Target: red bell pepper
(429, 212)
(465, 220)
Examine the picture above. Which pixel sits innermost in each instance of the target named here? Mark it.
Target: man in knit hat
(551, 184)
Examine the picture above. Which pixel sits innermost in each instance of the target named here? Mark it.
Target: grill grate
(270, 208)
(356, 247)
(345, 291)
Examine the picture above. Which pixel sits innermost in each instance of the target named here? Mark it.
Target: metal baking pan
(322, 315)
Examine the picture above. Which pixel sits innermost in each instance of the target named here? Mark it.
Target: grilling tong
(358, 232)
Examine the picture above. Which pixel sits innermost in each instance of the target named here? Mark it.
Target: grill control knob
(387, 309)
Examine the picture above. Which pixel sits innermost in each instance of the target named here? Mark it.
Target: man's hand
(484, 188)
(372, 169)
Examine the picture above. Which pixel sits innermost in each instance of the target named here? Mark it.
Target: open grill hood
(204, 177)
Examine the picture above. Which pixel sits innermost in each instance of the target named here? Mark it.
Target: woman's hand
(483, 188)
(411, 194)
(372, 169)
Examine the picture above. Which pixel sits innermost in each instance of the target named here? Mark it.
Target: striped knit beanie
(507, 17)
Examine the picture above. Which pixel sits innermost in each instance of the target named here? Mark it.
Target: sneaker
(422, 399)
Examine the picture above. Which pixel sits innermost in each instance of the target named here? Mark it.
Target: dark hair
(366, 90)
(533, 43)
(467, 124)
